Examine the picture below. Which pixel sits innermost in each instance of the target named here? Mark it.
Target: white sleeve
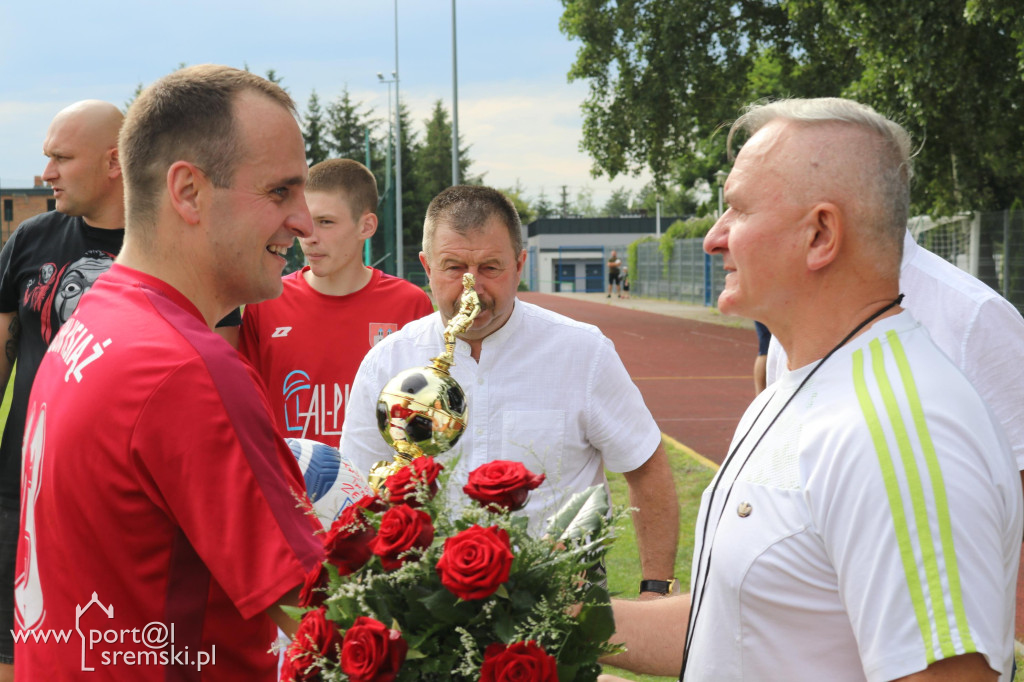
(993, 355)
(619, 425)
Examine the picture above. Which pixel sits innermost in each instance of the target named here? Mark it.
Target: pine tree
(313, 131)
(543, 208)
(347, 123)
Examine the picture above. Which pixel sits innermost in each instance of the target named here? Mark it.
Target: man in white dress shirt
(542, 389)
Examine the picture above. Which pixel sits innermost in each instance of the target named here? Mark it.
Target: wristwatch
(659, 586)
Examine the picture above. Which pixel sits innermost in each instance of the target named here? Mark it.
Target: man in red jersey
(335, 297)
(161, 525)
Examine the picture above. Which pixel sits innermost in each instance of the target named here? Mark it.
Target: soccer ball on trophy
(332, 483)
(422, 410)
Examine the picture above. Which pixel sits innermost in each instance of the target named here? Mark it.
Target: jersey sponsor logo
(29, 609)
(311, 408)
(378, 330)
(280, 331)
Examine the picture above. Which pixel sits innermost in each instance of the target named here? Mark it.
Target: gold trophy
(422, 410)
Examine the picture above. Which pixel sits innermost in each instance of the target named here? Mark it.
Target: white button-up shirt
(548, 391)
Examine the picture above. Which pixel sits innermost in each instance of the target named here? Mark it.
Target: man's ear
(367, 225)
(113, 163)
(826, 225)
(424, 263)
(183, 188)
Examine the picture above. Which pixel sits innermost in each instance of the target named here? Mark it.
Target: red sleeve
(207, 441)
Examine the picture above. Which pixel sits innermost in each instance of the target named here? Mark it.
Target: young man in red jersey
(161, 513)
(334, 299)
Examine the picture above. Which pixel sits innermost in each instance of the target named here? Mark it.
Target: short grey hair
(469, 207)
(887, 185)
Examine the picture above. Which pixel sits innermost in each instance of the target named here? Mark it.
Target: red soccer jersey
(159, 508)
(307, 346)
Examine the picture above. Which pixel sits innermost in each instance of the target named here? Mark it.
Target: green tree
(542, 207)
(434, 159)
(517, 196)
(413, 205)
(665, 74)
(135, 95)
(584, 204)
(347, 123)
(313, 131)
(619, 203)
(273, 78)
(675, 201)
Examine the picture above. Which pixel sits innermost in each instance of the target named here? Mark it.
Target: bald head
(100, 120)
(83, 167)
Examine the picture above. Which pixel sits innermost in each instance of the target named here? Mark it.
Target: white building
(571, 254)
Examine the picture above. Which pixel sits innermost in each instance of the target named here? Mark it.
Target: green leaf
(581, 515)
(294, 612)
(505, 628)
(445, 607)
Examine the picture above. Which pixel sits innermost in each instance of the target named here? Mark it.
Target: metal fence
(690, 275)
(990, 246)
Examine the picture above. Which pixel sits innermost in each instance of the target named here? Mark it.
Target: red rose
(475, 562)
(402, 528)
(347, 542)
(316, 637)
(402, 484)
(502, 484)
(313, 592)
(519, 662)
(371, 652)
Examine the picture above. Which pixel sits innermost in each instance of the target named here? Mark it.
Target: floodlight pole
(455, 105)
(399, 245)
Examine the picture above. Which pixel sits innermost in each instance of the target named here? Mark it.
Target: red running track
(696, 377)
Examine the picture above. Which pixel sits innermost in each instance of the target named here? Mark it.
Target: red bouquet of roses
(414, 591)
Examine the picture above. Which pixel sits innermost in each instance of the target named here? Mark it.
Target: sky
(517, 111)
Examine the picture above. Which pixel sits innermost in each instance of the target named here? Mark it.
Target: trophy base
(382, 470)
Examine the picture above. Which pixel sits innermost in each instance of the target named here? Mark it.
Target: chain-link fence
(689, 275)
(988, 245)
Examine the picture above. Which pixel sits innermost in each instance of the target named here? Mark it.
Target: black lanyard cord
(702, 576)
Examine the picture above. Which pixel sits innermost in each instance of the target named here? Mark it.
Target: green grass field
(691, 479)
(623, 565)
